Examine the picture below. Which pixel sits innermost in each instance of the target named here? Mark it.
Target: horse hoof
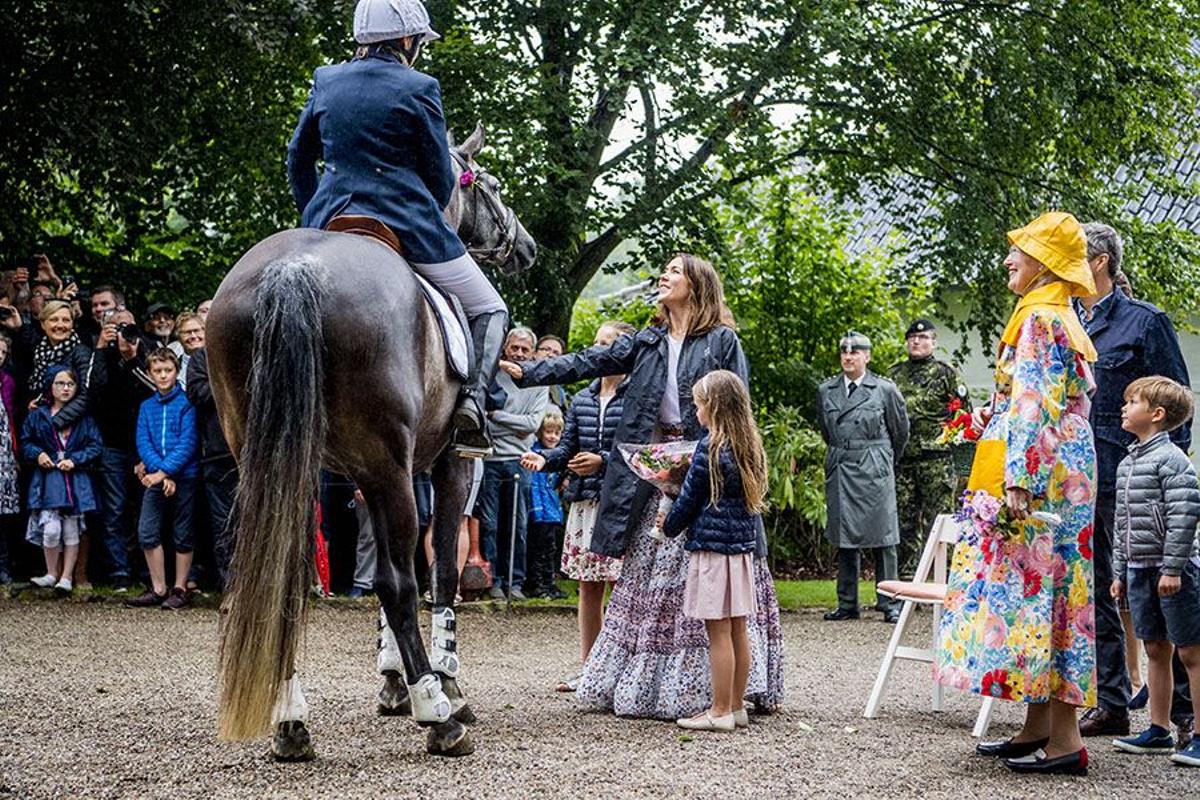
(449, 739)
(292, 743)
(403, 709)
(466, 716)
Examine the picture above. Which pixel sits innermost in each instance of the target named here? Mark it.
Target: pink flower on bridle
(467, 179)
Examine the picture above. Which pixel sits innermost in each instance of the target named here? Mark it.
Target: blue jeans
(498, 519)
(114, 479)
(157, 508)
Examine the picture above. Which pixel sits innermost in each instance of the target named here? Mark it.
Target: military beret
(920, 326)
(853, 340)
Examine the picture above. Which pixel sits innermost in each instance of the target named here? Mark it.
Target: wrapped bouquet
(664, 466)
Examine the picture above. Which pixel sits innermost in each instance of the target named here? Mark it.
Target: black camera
(128, 331)
(5, 312)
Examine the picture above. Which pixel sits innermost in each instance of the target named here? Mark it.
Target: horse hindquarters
(280, 459)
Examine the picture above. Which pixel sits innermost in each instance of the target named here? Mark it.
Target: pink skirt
(719, 586)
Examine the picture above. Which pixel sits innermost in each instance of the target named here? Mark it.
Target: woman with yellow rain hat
(1020, 618)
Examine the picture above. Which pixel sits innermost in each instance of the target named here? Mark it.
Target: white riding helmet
(382, 20)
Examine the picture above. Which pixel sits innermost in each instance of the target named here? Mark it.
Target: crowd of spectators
(114, 470)
(109, 469)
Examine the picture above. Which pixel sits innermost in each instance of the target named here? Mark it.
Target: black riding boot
(471, 438)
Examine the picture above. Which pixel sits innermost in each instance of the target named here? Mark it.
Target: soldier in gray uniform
(865, 426)
(926, 483)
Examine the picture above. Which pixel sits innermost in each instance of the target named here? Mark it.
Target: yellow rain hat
(1057, 240)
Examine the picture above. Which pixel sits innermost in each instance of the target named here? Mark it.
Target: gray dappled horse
(323, 352)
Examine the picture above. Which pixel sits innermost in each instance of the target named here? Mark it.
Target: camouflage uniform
(926, 483)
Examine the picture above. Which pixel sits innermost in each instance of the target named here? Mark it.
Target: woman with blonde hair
(650, 659)
(1020, 613)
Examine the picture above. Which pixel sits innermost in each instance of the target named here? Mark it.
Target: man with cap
(160, 325)
(925, 482)
(865, 427)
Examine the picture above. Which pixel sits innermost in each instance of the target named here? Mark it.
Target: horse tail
(275, 508)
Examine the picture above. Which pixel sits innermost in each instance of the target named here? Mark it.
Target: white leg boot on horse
(393, 509)
(450, 504)
(291, 741)
(393, 697)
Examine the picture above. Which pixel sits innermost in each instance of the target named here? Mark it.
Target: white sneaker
(741, 719)
(64, 585)
(45, 581)
(704, 721)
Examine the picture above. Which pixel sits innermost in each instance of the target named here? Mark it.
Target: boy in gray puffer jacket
(1155, 557)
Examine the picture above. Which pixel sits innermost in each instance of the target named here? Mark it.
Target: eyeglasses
(64, 384)
(923, 337)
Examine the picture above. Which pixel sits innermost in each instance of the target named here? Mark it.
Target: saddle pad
(453, 324)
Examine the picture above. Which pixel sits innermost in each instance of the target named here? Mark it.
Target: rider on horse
(378, 125)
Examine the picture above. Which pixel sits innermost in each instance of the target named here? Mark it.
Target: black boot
(471, 438)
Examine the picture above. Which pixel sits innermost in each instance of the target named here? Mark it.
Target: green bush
(796, 516)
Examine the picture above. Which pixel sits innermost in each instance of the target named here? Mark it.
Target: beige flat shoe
(704, 721)
(741, 718)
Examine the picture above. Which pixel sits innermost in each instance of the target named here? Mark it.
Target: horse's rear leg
(394, 513)
(452, 481)
(393, 697)
(291, 741)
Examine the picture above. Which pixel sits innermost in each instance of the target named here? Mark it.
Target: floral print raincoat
(1019, 621)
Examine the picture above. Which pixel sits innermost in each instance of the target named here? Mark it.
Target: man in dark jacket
(115, 409)
(1132, 339)
(218, 468)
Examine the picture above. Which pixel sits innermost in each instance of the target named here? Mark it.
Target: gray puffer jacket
(1158, 506)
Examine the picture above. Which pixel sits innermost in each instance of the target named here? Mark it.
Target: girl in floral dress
(1020, 620)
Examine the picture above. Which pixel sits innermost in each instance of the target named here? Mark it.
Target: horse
(323, 352)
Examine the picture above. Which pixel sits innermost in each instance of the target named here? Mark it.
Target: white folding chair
(921, 591)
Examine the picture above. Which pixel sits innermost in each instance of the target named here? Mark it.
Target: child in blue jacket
(719, 505)
(167, 446)
(60, 492)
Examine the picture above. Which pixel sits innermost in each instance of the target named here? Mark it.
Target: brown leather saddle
(362, 225)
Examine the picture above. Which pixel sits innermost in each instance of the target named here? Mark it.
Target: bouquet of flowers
(958, 428)
(663, 466)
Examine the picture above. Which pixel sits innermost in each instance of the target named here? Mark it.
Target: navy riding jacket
(378, 126)
(585, 432)
(1133, 339)
(728, 527)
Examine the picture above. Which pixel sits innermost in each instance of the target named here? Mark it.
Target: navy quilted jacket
(728, 528)
(585, 432)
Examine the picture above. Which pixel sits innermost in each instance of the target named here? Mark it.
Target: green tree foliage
(620, 120)
(144, 142)
(795, 291)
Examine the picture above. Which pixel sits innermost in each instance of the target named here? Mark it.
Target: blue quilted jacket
(727, 528)
(585, 432)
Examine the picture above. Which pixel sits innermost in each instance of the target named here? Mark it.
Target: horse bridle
(501, 216)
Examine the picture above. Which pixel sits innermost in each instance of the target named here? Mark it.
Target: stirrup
(469, 449)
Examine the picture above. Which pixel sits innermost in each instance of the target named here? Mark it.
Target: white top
(668, 412)
(603, 407)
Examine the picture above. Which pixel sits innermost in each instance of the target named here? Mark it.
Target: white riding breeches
(463, 278)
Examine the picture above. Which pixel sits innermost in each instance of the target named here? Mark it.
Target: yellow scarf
(1055, 297)
(987, 469)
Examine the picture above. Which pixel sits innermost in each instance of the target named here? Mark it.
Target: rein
(501, 217)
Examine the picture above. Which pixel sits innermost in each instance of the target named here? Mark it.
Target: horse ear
(474, 143)
(450, 138)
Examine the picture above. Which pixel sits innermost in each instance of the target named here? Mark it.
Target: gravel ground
(101, 701)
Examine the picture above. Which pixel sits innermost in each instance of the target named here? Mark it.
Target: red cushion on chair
(911, 590)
